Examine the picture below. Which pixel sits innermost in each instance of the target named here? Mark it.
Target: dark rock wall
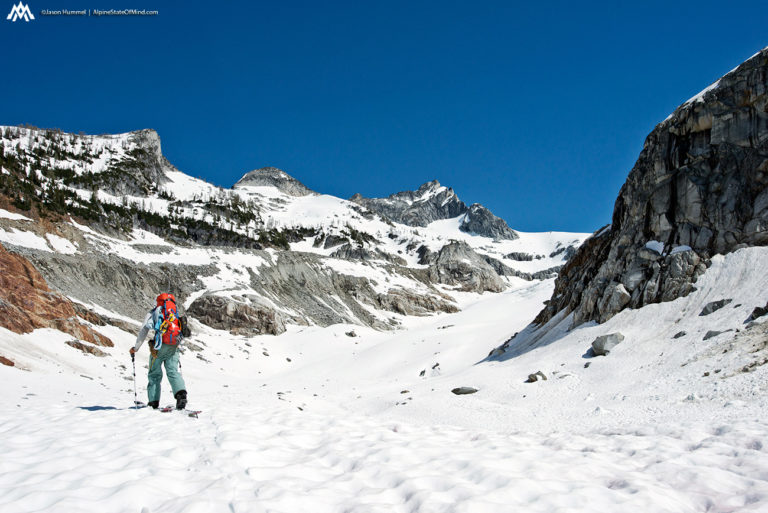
(699, 183)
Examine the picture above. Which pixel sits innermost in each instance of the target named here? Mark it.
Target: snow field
(315, 420)
(253, 457)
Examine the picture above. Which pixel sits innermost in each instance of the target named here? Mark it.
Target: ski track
(269, 459)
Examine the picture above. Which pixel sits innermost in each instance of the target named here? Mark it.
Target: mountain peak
(274, 177)
(433, 202)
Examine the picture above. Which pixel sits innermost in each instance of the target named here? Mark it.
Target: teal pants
(168, 356)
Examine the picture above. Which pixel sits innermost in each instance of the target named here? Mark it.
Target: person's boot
(154, 404)
(181, 399)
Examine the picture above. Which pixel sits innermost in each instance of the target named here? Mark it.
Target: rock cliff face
(699, 187)
(273, 177)
(26, 303)
(139, 170)
(433, 202)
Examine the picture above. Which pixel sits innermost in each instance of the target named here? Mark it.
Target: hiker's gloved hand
(133, 350)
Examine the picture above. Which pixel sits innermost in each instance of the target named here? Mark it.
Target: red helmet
(162, 298)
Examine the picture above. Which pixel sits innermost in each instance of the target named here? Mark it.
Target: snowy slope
(167, 217)
(316, 420)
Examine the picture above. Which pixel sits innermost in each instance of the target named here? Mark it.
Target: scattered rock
(603, 344)
(714, 306)
(586, 365)
(532, 378)
(713, 333)
(464, 390)
(351, 333)
(422, 373)
(86, 348)
(6, 361)
(680, 334)
(405, 391)
(519, 257)
(192, 346)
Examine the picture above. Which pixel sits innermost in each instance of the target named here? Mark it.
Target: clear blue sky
(537, 110)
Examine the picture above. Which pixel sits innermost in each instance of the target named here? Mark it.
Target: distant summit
(274, 177)
(434, 202)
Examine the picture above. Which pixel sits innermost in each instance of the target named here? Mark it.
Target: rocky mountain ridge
(108, 221)
(433, 202)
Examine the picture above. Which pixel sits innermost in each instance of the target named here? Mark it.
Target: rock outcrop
(457, 264)
(699, 187)
(481, 221)
(273, 177)
(238, 317)
(26, 303)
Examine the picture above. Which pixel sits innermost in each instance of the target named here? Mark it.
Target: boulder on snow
(6, 361)
(532, 378)
(714, 306)
(714, 333)
(464, 390)
(758, 312)
(603, 344)
(496, 352)
(680, 334)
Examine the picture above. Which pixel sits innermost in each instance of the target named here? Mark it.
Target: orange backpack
(168, 325)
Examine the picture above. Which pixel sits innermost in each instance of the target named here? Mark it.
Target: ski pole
(135, 395)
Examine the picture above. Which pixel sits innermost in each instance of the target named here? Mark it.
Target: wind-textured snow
(315, 420)
(672, 420)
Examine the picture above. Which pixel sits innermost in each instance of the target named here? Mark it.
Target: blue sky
(536, 110)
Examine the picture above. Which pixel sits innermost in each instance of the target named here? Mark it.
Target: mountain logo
(20, 11)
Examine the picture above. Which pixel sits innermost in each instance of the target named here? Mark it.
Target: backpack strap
(158, 329)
